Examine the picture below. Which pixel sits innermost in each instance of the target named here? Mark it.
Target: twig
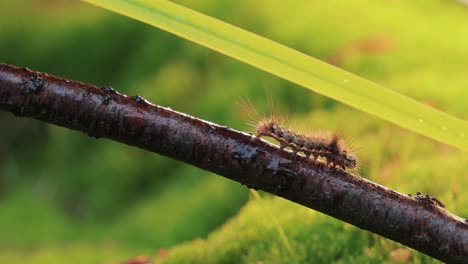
(418, 221)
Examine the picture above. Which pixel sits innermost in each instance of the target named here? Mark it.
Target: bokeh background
(66, 197)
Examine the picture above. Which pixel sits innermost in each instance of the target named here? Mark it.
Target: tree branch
(420, 222)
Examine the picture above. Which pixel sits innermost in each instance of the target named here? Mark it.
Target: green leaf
(296, 67)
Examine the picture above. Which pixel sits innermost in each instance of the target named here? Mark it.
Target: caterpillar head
(266, 128)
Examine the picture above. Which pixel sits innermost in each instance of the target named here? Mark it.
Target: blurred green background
(67, 197)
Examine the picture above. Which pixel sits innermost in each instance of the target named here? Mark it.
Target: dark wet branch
(418, 221)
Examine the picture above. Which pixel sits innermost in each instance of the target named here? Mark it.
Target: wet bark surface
(420, 222)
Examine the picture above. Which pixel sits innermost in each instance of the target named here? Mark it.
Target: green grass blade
(296, 67)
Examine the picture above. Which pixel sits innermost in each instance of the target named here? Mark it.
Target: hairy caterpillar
(330, 147)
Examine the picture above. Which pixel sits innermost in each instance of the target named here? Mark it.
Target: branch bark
(419, 221)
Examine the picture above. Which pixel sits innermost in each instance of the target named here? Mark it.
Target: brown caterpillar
(331, 148)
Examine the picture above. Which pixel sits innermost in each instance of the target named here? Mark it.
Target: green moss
(255, 236)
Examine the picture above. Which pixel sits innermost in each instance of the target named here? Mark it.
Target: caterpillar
(332, 148)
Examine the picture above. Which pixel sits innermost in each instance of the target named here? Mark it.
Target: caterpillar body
(331, 148)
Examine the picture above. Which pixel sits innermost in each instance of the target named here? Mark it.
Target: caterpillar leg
(283, 145)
